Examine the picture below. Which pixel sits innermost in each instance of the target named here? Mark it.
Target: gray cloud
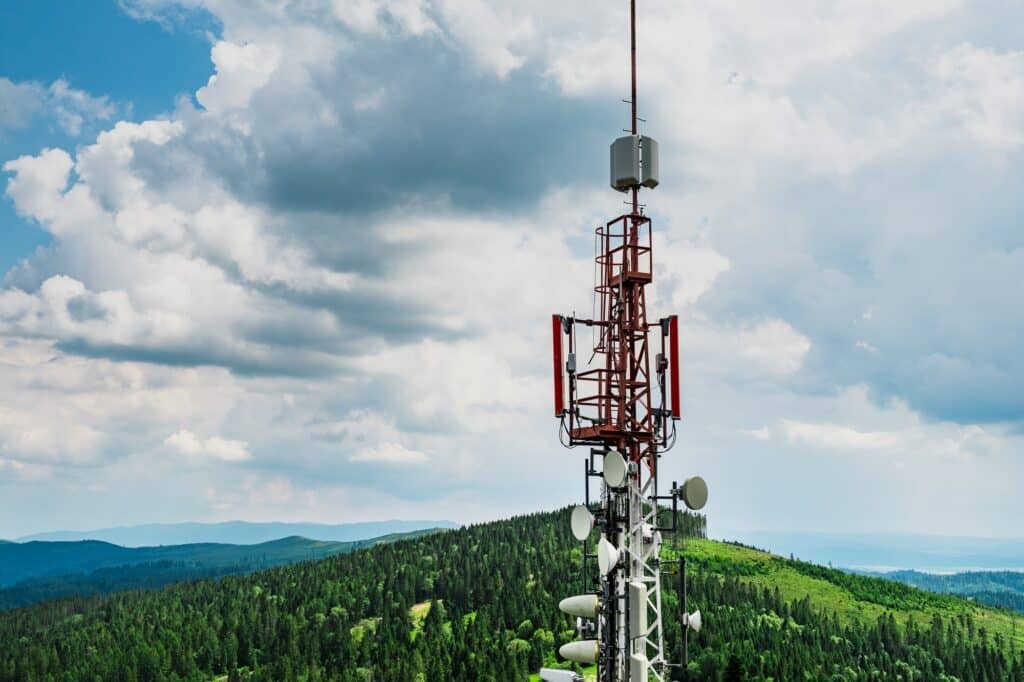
(440, 128)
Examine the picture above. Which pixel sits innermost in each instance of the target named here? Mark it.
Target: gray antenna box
(635, 162)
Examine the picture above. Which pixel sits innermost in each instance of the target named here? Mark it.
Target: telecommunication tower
(626, 414)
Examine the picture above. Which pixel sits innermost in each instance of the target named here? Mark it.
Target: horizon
(920, 558)
(292, 264)
(749, 531)
(741, 536)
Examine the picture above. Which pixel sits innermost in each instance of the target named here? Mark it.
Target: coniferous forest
(480, 604)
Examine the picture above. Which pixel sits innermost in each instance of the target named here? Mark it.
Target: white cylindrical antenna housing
(584, 652)
(582, 605)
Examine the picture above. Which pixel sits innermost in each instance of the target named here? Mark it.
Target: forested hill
(480, 604)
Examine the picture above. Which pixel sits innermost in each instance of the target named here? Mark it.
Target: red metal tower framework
(612, 402)
(623, 403)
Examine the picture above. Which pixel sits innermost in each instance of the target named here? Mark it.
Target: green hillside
(480, 604)
(856, 600)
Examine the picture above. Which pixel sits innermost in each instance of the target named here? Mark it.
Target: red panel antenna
(559, 369)
(673, 365)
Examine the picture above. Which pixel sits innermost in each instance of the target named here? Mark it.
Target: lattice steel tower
(627, 415)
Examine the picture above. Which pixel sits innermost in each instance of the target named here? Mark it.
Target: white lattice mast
(623, 412)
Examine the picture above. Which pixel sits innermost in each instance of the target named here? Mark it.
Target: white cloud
(69, 107)
(370, 16)
(191, 445)
(241, 71)
(25, 471)
(763, 433)
(689, 271)
(985, 93)
(19, 102)
(74, 107)
(894, 430)
(490, 31)
(776, 346)
(388, 453)
(31, 437)
(369, 437)
(839, 437)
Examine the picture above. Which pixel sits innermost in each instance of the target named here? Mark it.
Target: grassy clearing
(364, 627)
(418, 614)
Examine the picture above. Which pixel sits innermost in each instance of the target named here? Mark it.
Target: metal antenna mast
(627, 417)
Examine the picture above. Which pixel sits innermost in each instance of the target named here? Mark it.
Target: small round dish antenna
(695, 493)
(614, 469)
(582, 522)
(692, 620)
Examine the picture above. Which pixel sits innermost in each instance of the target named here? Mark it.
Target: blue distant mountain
(886, 552)
(236, 532)
(37, 571)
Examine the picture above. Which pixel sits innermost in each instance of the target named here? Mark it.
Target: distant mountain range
(235, 532)
(996, 588)
(39, 571)
(887, 552)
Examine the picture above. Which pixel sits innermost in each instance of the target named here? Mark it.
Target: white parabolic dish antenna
(614, 469)
(582, 522)
(607, 555)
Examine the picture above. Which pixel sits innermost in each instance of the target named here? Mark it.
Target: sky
(296, 261)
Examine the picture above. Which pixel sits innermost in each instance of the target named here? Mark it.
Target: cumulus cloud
(191, 445)
(241, 71)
